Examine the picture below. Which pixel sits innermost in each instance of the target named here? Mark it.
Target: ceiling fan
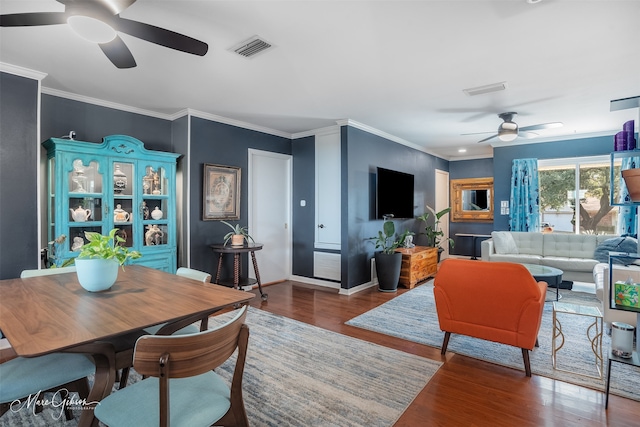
(509, 130)
(99, 21)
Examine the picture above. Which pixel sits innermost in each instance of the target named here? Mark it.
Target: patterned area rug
(301, 375)
(576, 355)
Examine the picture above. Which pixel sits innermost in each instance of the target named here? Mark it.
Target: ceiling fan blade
(33, 19)
(118, 53)
(527, 135)
(160, 36)
(542, 126)
(476, 133)
(486, 139)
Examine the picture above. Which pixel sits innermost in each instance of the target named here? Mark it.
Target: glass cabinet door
(155, 205)
(84, 181)
(123, 205)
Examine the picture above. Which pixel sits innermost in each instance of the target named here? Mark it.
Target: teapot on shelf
(80, 214)
(120, 215)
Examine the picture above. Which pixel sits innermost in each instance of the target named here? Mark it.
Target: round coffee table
(551, 275)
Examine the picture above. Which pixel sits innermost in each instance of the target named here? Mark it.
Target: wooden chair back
(181, 356)
(46, 271)
(194, 274)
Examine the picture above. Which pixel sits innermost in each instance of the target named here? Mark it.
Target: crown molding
(237, 123)
(22, 72)
(374, 131)
(314, 132)
(103, 103)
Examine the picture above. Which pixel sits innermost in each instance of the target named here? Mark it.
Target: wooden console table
(418, 264)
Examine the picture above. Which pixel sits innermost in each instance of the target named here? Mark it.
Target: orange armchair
(494, 301)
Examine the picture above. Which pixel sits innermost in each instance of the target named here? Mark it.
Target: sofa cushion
(569, 245)
(569, 263)
(616, 244)
(504, 243)
(517, 258)
(528, 243)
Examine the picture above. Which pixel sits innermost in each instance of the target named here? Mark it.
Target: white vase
(97, 275)
(156, 213)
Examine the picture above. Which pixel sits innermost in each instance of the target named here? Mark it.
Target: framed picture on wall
(221, 192)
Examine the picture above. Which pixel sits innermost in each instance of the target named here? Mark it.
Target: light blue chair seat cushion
(189, 329)
(195, 401)
(23, 376)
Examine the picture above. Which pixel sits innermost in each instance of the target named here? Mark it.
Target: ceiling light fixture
(462, 150)
(533, 1)
(507, 131)
(91, 29)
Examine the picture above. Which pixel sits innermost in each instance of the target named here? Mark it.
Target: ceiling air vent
(251, 47)
(480, 90)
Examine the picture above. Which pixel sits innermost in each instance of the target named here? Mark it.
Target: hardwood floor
(464, 391)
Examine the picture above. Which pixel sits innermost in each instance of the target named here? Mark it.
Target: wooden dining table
(46, 314)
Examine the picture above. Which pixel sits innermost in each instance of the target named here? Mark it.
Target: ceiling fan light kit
(509, 130)
(91, 29)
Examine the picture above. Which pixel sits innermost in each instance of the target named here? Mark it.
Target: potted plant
(98, 261)
(237, 235)
(388, 261)
(435, 235)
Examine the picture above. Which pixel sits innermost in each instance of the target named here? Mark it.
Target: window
(575, 195)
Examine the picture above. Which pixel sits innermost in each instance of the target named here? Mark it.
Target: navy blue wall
(479, 168)
(222, 144)
(93, 122)
(19, 148)
(364, 153)
(503, 157)
(303, 229)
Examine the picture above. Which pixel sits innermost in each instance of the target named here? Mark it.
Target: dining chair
(26, 376)
(182, 389)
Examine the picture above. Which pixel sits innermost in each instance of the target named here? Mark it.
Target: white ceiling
(395, 66)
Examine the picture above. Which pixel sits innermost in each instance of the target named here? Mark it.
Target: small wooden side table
(251, 248)
(418, 264)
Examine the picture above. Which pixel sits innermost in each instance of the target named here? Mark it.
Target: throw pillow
(504, 242)
(616, 244)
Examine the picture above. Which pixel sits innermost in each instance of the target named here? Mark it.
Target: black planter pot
(388, 270)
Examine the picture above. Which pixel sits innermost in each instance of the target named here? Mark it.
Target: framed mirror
(472, 200)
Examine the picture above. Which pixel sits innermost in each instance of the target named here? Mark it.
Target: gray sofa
(571, 253)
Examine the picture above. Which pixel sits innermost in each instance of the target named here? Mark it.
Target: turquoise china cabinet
(114, 184)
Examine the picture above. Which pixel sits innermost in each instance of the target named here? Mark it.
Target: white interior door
(442, 202)
(270, 213)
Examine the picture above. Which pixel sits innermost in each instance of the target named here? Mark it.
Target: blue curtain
(525, 196)
(628, 217)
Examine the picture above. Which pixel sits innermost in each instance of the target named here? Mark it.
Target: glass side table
(594, 334)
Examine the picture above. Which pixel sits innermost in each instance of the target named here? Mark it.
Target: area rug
(301, 375)
(576, 355)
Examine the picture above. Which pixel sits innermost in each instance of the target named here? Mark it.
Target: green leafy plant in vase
(388, 261)
(98, 261)
(237, 235)
(434, 233)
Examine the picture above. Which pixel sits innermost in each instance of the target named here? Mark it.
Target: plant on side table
(98, 261)
(434, 233)
(388, 261)
(237, 235)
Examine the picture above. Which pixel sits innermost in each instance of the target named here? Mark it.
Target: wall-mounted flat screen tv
(394, 194)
